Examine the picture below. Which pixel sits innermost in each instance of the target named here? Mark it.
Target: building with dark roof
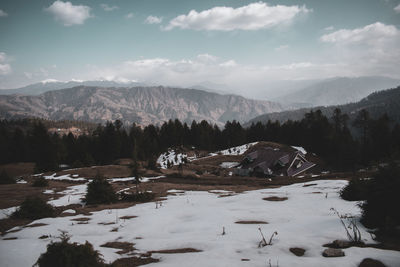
(269, 162)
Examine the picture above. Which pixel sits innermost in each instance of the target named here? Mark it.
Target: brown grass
(177, 250)
(36, 225)
(251, 222)
(307, 185)
(124, 247)
(133, 261)
(18, 169)
(275, 198)
(83, 219)
(10, 238)
(128, 217)
(106, 223)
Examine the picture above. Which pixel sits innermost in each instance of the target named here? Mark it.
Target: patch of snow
(237, 150)
(69, 211)
(48, 191)
(22, 181)
(148, 179)
(142, 179)
(73, 195)
(172, 157)
(65, 177)
(229, 164)
(301, 149)
(125, 179)
(5, 213)
(196, 220)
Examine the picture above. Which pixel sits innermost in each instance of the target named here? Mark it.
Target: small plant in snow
(352, 231)
(223, 230)
(264, 242)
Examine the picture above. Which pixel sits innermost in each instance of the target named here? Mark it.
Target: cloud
(397, 8)
(281, 48)
(129, 15)
(254, 16)
(373, 33)
(329, 28)
(69, 14)
(108, 8)
(153, 20)
(369, 50)
(5, 68)
(3, 14)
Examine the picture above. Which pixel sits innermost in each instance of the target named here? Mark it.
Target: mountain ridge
(384, 101)
(142, 105)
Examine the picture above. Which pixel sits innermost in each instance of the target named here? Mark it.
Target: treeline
(329, 138)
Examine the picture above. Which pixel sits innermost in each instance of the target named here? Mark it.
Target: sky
(239, 45)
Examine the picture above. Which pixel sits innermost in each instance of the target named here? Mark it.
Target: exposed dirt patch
(108, 171)
(174, 251)
(106, 223)
(251, 222)
(128, 217)
(35, 225)
(83, 219)
(18, 169)
(245, 259)
(10, 238)
(274, 198)
(307, 185)
(124, 247)
(297, 251)
(133, 261)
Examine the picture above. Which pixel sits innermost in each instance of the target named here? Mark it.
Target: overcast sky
(240, 44)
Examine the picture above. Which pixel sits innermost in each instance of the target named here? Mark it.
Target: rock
(333, 252)
(368, 262)
(297, 251)
(341, 244)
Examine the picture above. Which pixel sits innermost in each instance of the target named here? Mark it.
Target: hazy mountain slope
(386, 101)
(338, 91)
(45, 86)
(143, 105)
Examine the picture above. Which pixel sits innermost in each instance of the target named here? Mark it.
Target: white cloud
(207, 58)
(281, 48)
(3, 14)
(108, 8)
(251, 17)
(370, 50)
(129, 15)
(69, 14)
(153, 20)
(397, 8)
(329, 28)
(372, 33)
(5, 68)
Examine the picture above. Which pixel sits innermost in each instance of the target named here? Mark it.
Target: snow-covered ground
(233, 151)
(195, 220)
(229, 164)
(66, 177)
(5, 213)
(72, 195)
(142, 179)
(172, 157)
(301, 149)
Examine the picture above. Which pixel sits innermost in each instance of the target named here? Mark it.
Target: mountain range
(378, 103)
(336, 91)
(142, 105)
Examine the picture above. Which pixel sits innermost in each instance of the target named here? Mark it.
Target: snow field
(195, 220)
